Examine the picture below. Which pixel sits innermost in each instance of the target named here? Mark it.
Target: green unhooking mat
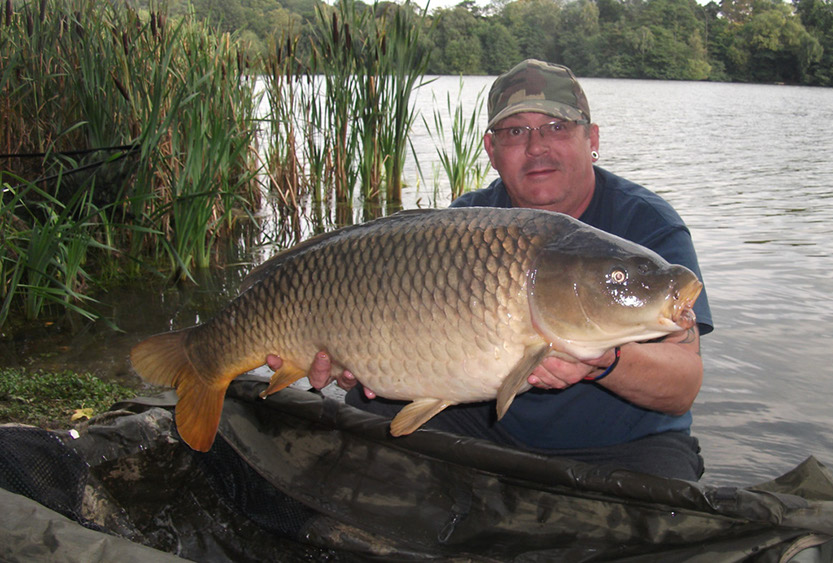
(300, 477)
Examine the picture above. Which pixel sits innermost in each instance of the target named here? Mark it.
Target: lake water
(749, 169)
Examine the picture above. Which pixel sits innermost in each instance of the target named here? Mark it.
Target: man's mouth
(541, 170)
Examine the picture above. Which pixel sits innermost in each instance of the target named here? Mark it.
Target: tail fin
(162, 360)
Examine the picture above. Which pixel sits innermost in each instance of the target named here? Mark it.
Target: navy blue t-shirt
(586, 414)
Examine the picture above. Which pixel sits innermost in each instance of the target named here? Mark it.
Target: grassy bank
(55, 400)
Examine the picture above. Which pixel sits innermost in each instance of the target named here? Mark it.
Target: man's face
(555, 174)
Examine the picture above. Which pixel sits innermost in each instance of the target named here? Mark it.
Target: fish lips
(678, 311)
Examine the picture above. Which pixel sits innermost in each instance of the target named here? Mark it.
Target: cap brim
(559, 111)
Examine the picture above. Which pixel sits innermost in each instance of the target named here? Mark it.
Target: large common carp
(439, 307)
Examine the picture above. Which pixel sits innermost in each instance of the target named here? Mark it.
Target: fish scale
(433, 307)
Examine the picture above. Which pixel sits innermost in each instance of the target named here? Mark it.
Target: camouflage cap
(537, 86)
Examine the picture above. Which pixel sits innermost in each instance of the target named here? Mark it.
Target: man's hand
(320, 373)
(662, 375)
(558, 373)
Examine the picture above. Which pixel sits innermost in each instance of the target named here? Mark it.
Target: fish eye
(618, 275)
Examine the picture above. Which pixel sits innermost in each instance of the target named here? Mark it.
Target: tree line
(765, 41)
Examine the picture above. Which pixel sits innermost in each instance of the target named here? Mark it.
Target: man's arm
(663, 376)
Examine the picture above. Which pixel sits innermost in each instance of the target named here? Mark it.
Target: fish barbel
(439, 307)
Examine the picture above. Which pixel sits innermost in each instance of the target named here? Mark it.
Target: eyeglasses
(520, 134)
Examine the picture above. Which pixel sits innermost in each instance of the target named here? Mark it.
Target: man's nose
(536, 144)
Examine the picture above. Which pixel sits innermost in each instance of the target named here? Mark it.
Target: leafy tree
(619, 50)
(457, 47)
(697, 66)
(611, 11)
(499, 50)
(464, 54)
(670, 42)
(817, 18)
(532, 23)
(577, 36)
(227, 15)
(737, 11)
(778, 48)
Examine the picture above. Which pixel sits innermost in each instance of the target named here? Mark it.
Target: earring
(594, 155)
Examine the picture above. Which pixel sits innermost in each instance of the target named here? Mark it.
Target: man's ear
(594, 137)
(487, 144)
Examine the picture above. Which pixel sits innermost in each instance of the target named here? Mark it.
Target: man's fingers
(320, 365)
(557, 374)
(346, 380)
(274, 362)
(319, 371)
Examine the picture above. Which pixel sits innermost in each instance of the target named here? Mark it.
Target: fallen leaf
(82, 414)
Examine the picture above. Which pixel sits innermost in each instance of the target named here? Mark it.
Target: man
(543, 144)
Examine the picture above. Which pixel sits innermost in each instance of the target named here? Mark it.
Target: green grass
(50, 399)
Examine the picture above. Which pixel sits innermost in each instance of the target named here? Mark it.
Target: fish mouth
(678, 309)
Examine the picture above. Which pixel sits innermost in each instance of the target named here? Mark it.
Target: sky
(433, 4)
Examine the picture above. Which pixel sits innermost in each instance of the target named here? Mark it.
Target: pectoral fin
(516, 380)
(288, 374)
(415, 415)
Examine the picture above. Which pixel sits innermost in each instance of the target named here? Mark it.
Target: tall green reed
(349, 114)
(83, 75)
(210, 169)
(406, 60)
(335, 60)
(460, 155)
(43, 250)
(294, 163)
